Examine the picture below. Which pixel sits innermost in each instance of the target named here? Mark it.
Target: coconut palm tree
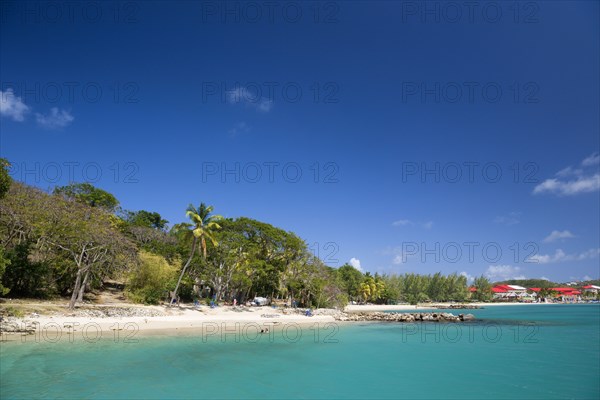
(203, 226)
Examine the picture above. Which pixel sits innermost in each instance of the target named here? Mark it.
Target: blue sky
(403, 138)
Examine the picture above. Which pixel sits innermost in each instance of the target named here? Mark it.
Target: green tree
(484, 289)
(297, 267)
(224, 262)
(414, 288)
(457, 289)
(5, 179)
(267, 257)
(88, 194)
(372, 288)
(90, 237)
(62, 228)
(146, 219)
(393, 289)
(204, 226)
(438, 287)
(351, 280)
(544, 293)
(27, 277)
(151, 278)
(4, 262)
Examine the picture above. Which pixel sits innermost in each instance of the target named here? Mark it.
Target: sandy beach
(186, 320)
(204, 321)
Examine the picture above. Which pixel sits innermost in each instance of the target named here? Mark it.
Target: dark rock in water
(457, 306)
(15, 325)
(403, 317)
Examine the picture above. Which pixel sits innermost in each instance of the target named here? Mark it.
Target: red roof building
(561, 291)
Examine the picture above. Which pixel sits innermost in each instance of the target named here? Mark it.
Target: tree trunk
(82, 288)
(217, 289)
(187, 264)
(75, 289)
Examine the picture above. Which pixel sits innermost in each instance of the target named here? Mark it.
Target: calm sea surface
(533, 352)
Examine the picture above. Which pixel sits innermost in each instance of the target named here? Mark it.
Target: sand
(205, 321)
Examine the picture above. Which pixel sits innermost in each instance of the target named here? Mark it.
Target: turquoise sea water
(533, 352)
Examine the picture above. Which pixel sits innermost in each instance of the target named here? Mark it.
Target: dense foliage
(483, 289)
(69, 242)
(151, 278)
(88, 194)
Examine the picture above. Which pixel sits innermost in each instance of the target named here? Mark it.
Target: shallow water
(535, 352)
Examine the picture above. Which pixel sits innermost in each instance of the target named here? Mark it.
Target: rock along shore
(174, 319)
(405, 317)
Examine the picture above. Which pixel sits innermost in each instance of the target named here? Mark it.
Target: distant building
(508, 292)
(591, 289)
(472, 291)
(565, 294)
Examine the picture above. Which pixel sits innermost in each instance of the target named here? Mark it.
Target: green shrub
(11, 311)
(152, 278)
(4, 262)
(24, 276)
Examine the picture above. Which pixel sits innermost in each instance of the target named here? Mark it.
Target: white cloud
(591, 160)
(265, 105)
(569, 171)
(583, 184)
(403, 254)
(587, 278)
(571, 181)
(240, 127)
(402, 222)
(355, 262)
(556, 235)
(57, 119)
(560, 256)
(399, 259)
(503, 272)
(407, 222)
(511, 218)
(243, 95)
(544, 278)
(12, 106)
(470, 278)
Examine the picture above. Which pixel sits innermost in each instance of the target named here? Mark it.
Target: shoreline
(204, 321)
(432, 306)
